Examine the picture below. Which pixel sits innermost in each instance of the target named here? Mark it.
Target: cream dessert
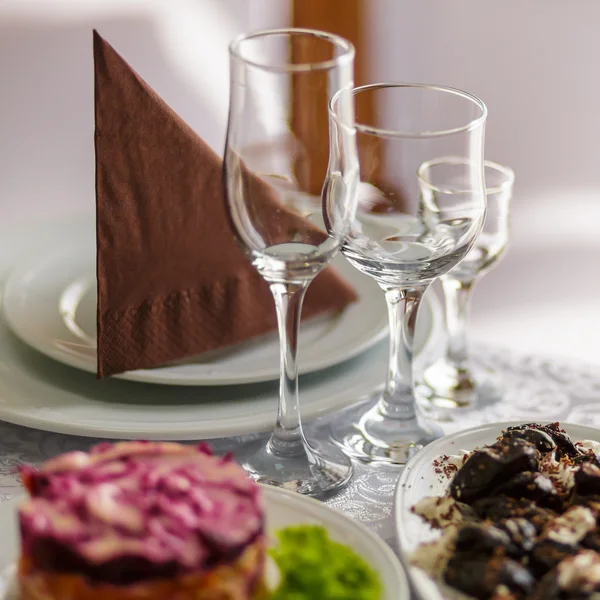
(141, 520)
(520, 519)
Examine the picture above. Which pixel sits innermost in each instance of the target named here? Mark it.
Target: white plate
(41, 393)
(419, 479)
(283, 508)
(50, 303)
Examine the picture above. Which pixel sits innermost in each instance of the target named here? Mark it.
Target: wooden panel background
(344, 18)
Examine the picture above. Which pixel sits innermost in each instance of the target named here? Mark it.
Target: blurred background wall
(533, 63)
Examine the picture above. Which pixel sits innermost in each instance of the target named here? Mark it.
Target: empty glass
(281, 174)
(452, 381)
(408, 231)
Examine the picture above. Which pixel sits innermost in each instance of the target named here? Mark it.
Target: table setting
(267, 320)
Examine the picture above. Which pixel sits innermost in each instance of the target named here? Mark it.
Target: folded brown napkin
(172, 281)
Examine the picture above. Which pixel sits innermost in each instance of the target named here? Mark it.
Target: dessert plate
(50, 303)
(283, 508)
(420, 479)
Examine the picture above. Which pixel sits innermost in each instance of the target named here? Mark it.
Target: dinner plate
(419, 479)
(44, 394)
(50, 303)
(283, 508)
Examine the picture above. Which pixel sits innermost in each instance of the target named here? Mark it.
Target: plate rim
(181, 430)
(418, 577)
(273, 494)
(431, 304)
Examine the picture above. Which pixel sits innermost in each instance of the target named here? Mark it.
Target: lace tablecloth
(537, 390)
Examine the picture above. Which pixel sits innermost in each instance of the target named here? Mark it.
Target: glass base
(315, 470)
(445, 388)
(366, 433)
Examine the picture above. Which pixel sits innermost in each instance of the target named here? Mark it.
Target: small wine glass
(406, 234)
(452, 382)
(286, 163)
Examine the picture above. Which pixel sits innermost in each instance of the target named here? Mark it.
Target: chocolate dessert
(141, 520)
(520, 520)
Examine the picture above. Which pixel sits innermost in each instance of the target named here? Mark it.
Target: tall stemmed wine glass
(281, 174)
(407, 232)
(453, 381)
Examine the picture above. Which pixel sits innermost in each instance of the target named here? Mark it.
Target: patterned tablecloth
(538, 389)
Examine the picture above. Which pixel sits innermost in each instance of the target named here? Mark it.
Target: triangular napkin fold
(172, 282)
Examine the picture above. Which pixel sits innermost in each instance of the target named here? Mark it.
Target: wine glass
(452, 382)
(407, 232)
(286, 162)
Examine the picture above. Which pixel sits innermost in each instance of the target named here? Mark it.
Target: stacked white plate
(48, 353)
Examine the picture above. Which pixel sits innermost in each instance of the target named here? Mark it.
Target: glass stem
(403, 304)
(458, 302)
(287, 438)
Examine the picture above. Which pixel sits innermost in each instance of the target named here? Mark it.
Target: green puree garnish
(313, 567)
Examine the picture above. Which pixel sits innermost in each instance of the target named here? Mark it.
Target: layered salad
(164, 521)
